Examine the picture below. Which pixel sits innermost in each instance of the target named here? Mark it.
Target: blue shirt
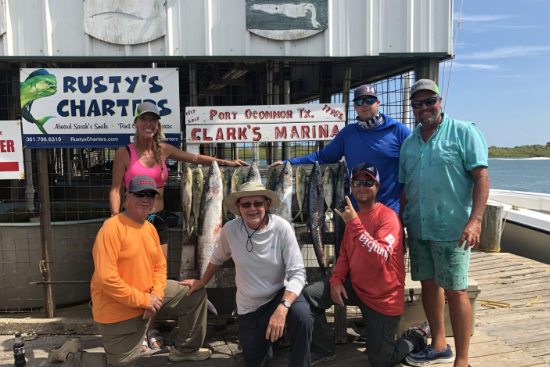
(379, 146)
(439, 184)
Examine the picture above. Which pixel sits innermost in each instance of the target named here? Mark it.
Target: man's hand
(470, 234)
(154, 306)
(237, 163)
(278, 163)
(276, 325)
(349, 213)
(193, 284)
(336, 293)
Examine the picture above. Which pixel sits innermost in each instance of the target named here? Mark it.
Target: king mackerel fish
(316, 211)
(284, 190)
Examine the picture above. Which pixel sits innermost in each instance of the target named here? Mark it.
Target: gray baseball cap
(424, 84)
(142, 183)
(146, 107)
(364, 90)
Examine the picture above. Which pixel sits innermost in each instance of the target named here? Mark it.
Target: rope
(498, 304)
(458, 27)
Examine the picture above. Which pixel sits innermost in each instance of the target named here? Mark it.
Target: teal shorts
(442, 261)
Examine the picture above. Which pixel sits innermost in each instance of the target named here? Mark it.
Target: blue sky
(500, 79)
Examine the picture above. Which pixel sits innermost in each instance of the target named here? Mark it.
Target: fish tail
(298, 215)
(301, 216)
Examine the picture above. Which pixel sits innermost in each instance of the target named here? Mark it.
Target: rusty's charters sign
(286, 19)
(277, 123)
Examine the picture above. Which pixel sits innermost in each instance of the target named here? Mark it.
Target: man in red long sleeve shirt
(370, 274)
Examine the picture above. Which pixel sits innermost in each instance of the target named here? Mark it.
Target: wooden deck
(517, 336)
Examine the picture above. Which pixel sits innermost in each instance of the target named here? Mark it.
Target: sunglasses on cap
(368, 100)
(257, 204)
(142, 194)
(428, 102)
(366, 183)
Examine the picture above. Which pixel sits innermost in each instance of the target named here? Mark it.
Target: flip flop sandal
(144, 344)
(154, 339)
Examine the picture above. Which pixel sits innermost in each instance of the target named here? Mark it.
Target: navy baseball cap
(142, 183)
(364, 90)
(366, 168)
(146, 107)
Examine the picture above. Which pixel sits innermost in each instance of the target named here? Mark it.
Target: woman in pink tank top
(147, 156)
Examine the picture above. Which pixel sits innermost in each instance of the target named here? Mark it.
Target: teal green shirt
(438, 181)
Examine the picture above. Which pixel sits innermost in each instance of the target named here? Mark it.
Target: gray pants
(382, 348)
(122, 340)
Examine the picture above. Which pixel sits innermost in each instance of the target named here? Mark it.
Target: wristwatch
(285, 303)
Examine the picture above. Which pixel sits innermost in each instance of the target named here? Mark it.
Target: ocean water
(521, 174)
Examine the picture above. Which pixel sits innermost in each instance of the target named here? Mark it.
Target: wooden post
(45, 231)
(491, 228)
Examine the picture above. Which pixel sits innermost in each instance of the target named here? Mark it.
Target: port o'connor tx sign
(94, 108)
(277, 123)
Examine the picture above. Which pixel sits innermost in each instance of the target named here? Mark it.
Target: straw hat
(251, 189)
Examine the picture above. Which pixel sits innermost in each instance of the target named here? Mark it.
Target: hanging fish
(254, 174)
(342, 189)
(186, 186)
(226, 182)
(271, 179)
(236, 180)
(284, 191)
(300, 191)
(197, 187)
(316, 214)
(328, 187)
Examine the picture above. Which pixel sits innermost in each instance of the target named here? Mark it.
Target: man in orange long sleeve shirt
(129, 286)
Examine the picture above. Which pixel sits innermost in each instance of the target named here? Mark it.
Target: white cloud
(480, 18)
(460, 65)
(504, 52)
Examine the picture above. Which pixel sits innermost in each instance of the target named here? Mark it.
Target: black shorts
(160, 221)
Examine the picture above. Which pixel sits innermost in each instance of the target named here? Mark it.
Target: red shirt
(372, 255)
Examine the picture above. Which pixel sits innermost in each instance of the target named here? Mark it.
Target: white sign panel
(64, 108)
(11, 151)
(241, 124)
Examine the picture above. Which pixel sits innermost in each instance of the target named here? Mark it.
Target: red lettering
(324, 108)
(305, 132)
(323, 131)
(219, 134)
(261, 115)
(221, 116)
(334, 131)
(204, 136)
(194, 134)
(257, 134)
(313, 131)
(268, 114)
(247, 114)
(294, 133)
(300, 111)
(234, 115)
(255, 114)
(10, 146)
(227, 116)
(288, 114)
(282, 114)
(3, 146)
(212, 114)
(280, 132)
(242, 133)
(231, 133)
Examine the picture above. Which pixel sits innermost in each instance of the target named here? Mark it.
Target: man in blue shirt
(443, 169)
(375, 138)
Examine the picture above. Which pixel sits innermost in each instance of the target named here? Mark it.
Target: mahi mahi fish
(186, 184)
(316, 214)
(328, 187)
(254, 174)
(236, 180)
(300, 191)
(198, 183)
(271, 179)
(342, 189)
(210, 221)
(226, 182)
(284, 191)
(39, 84)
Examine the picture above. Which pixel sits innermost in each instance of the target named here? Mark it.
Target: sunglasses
(428, 102)
(368, 100)
(257, 204)
(148, 195)
(366, 183)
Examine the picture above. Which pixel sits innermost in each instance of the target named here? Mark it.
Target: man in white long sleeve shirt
(269, 274)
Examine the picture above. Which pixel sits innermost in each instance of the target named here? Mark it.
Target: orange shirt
(129, 265)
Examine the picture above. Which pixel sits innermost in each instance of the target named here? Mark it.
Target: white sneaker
(60, 354)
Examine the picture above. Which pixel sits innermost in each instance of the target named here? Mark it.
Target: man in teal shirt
(443, 167)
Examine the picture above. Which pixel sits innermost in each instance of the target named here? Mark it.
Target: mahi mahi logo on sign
(286, 20)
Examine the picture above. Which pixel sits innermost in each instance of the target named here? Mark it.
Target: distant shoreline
(524, 151)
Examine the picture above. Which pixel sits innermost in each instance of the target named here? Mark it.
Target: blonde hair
(159, 135)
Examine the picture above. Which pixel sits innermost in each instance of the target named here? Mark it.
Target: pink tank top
(136, 168)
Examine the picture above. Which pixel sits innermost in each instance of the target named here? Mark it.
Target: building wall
(217, 28)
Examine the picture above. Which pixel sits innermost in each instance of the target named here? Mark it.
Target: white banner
(240, 124)
(94, 107)
(11, 151)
